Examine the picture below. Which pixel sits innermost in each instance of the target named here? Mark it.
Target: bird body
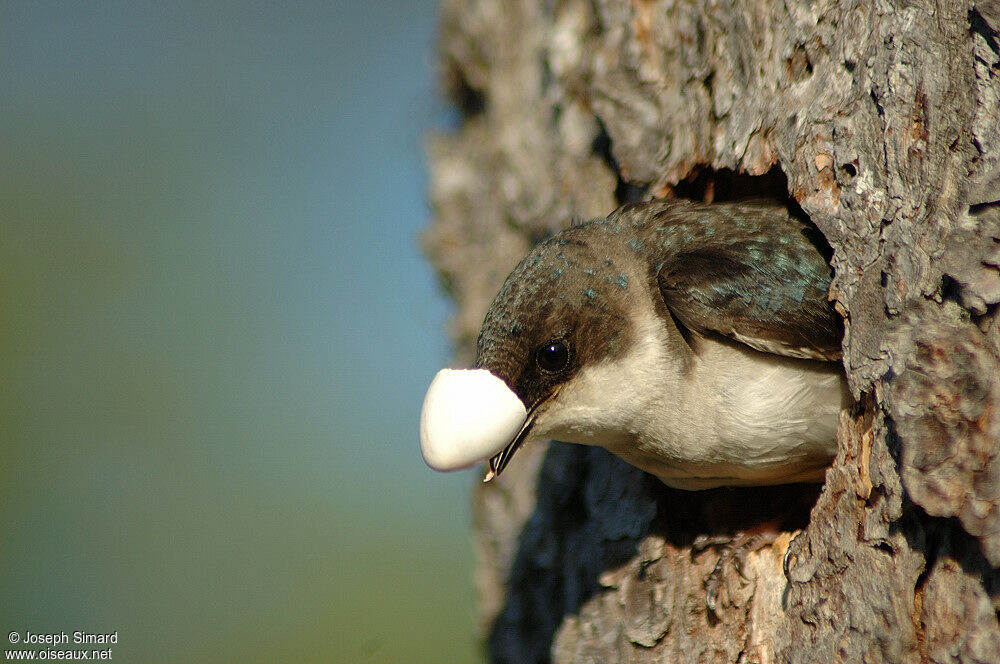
(693, 340)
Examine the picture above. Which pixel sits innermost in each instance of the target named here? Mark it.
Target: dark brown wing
(766, 288)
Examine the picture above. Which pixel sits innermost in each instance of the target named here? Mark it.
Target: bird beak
(470, 415)
(500, 461)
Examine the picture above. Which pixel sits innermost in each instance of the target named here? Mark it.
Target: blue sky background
(216, 329)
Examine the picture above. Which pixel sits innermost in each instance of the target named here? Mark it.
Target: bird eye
(552, 357)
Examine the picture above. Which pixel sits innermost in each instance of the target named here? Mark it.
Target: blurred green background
(215, 332)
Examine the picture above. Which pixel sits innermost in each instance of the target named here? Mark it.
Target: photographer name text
(59, 638)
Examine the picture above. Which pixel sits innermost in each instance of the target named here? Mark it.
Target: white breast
(729, 415)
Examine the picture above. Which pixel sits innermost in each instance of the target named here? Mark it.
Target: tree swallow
(695, 341)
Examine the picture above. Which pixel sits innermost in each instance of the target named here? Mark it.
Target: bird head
(560, 311)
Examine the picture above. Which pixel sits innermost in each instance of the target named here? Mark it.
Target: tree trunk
(881, 120)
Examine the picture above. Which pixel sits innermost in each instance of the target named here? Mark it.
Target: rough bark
(881, 120)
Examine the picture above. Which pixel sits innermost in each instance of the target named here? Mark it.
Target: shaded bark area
(880, 121)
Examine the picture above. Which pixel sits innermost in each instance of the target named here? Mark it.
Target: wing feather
(763, 281)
